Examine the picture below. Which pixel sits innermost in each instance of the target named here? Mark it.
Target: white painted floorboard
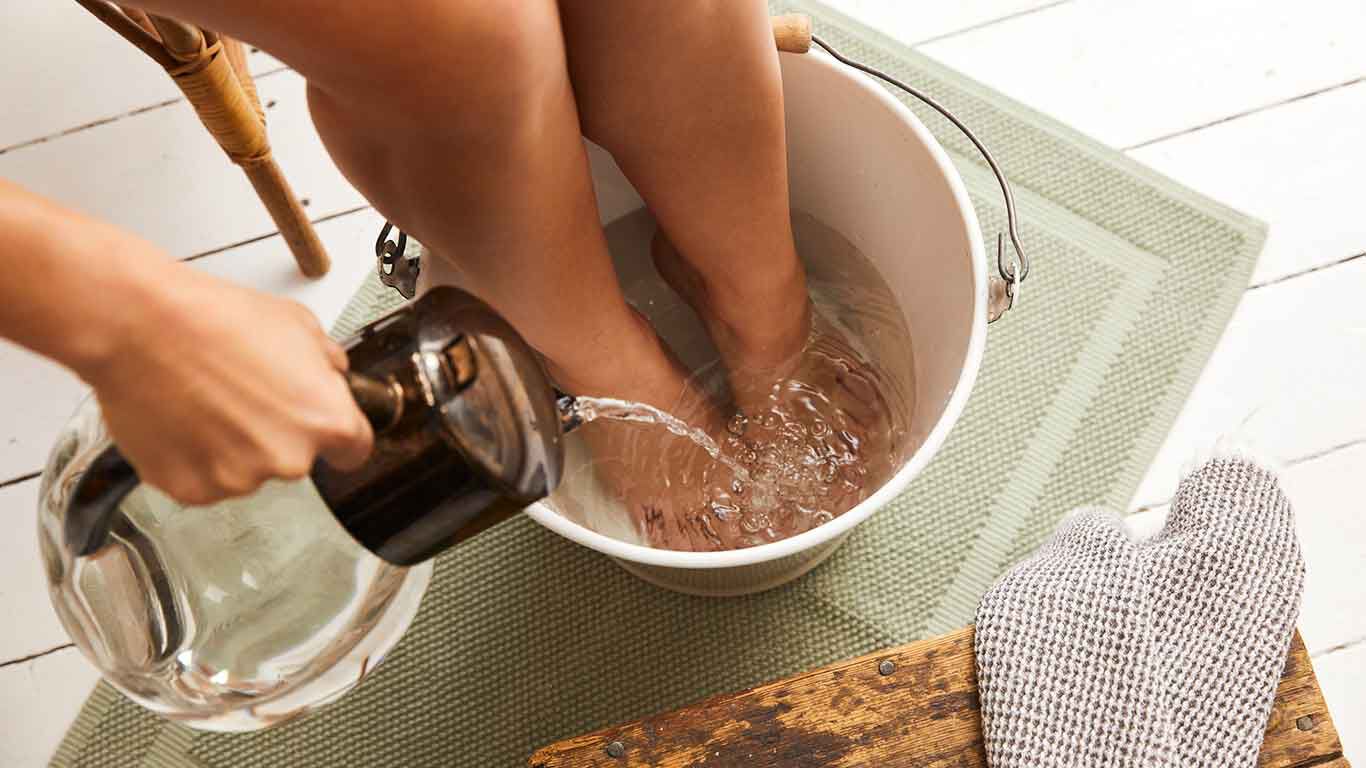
(189, 198)
(1342, 676)
(30, 624)
(1287, 375)
(60, 69)
(1220, 94)
(1297, 167)
(1127, 73)
(39, 699)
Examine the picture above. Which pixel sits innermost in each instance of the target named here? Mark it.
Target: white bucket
(860, 162)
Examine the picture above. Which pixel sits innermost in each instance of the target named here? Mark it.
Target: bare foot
(659, 477)
(664, 480)
(809, 422)
(760, 328)
(807, 437)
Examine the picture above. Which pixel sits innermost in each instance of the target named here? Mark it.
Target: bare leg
(688, 99)
(457, 120)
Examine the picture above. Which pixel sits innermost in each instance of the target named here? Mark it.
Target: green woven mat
(525, 638)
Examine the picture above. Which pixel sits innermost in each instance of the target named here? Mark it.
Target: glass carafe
(242, 614)
(232, 616)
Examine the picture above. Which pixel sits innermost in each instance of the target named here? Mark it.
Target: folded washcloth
(1103, 651)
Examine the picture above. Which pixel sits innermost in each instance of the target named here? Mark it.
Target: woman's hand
(210, 389)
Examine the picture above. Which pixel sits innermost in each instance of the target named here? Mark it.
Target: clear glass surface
(229, 617)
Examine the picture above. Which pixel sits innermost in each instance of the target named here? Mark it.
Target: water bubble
(710, 532)
(754, 522)
(738, 422)
(850, 439)
(797, 457)
(828, 471)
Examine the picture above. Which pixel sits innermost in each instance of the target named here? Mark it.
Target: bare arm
(208, 388)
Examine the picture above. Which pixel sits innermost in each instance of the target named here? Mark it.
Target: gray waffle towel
(1106, 652)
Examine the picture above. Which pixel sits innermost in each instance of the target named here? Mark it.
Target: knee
(477, 63)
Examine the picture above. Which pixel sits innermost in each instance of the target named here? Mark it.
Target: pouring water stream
(593, 408)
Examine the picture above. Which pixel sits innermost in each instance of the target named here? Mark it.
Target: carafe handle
(110, 478)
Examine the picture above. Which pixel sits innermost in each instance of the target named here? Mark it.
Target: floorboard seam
(1245, 113)
(274, 233)
(20, 479)
(985, 24)
(1287, 463)
(1307, 271)
(38, 655)
(1343, 646)
(115, 118)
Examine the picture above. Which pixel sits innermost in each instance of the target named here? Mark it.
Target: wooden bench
(910, 706)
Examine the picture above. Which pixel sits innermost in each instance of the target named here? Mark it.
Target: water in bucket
(715, 476)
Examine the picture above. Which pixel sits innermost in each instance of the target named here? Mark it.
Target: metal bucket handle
(1005, 288)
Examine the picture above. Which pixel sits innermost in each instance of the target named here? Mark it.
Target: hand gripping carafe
(241, 614)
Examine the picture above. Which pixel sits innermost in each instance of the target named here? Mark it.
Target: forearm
(73, 286)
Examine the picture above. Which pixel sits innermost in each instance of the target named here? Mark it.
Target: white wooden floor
(1259, 105)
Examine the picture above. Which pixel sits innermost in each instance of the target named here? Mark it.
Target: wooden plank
(1298, 167)
(161, 175)
(920, 711)
(1287, 376)
(32, 421)
(59, 48)
(919, 21)
(1300, 730)
(1127, 73)
(1330, 518)
(38, 701)
(31, 626)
